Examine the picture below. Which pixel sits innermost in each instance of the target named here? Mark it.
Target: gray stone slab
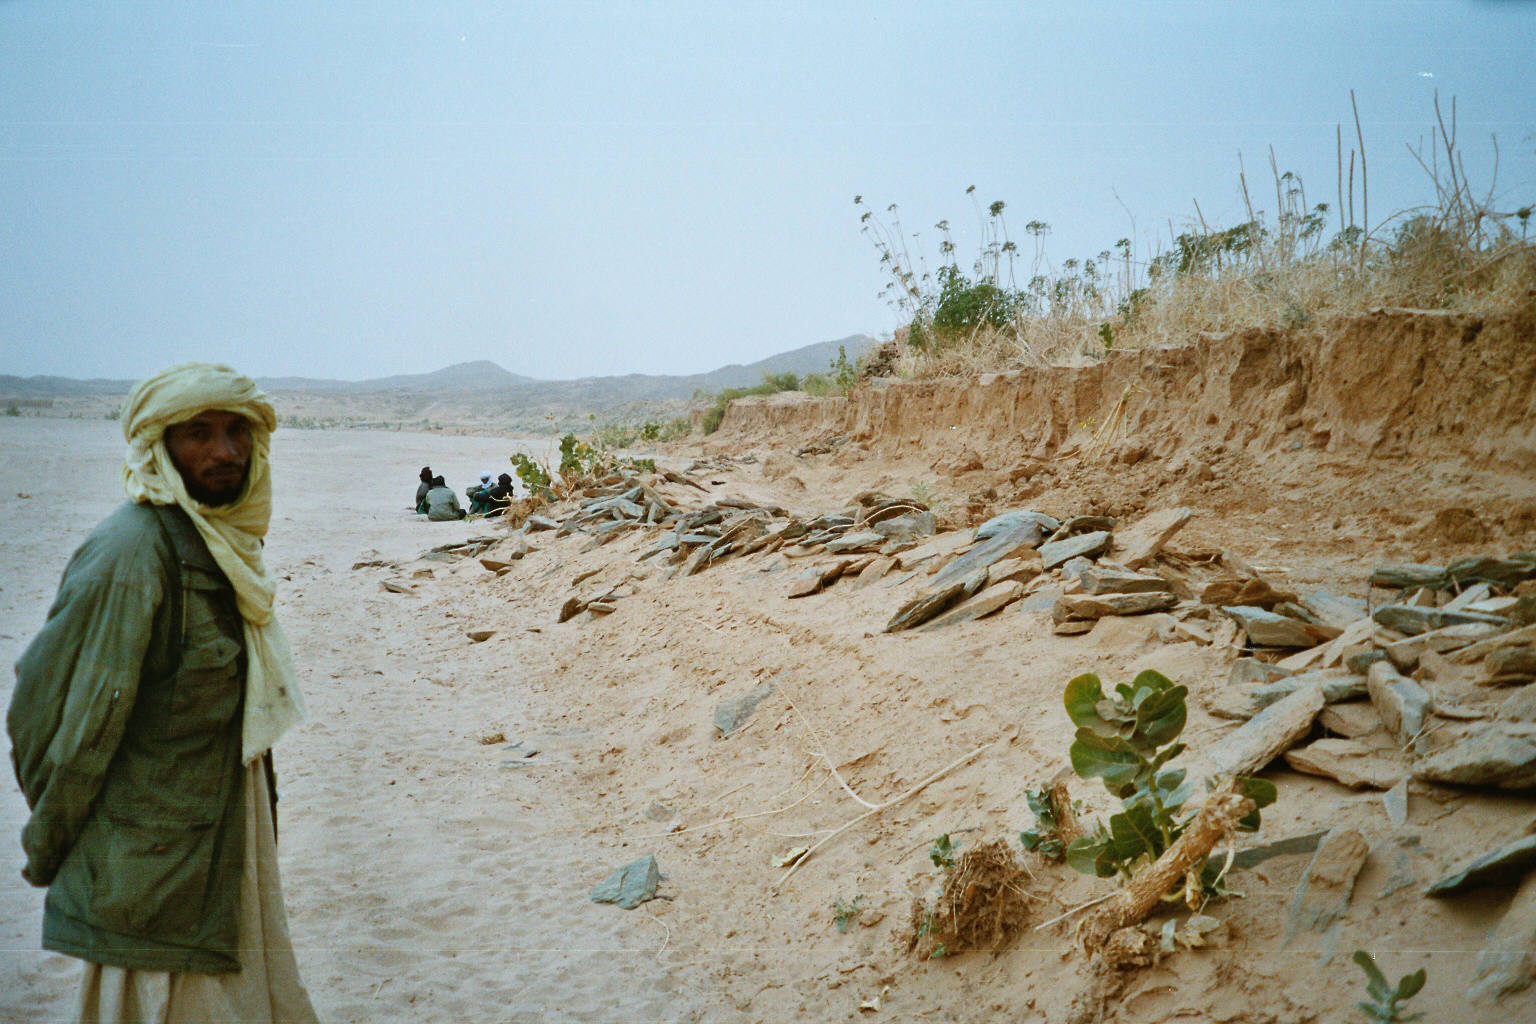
(631, 885)
(1500, 755)
(733, 714)
(1414, 620)
(864, 540)
(1401, 702)
(1267, 629)
(1102, 579)
(1006, 543)
(1501, 866)
(1010, 521)
(1141, 541)
(1097, 606)
(1336, 685)
(1087, 545)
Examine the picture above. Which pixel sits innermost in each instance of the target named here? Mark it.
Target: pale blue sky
(351, 190)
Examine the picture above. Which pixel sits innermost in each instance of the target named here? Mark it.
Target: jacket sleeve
(75, 688)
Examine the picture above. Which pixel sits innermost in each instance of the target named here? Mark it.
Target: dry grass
(983, 905)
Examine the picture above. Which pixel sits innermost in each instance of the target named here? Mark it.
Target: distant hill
(482, 389)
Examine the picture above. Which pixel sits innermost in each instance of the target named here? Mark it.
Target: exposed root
(983, 905)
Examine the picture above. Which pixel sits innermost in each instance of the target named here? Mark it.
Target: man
(476, 493)
(499, 496)
(442, 503)
(143, 719)
(422, 489)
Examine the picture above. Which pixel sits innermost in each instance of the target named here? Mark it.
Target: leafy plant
(1043, 838)
(943, 852)
(1384, 1005)
(1126, 740)
(844, 374)
(534, 475)
(844, 911)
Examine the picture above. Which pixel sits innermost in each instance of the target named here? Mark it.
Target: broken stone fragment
(1009, 521)
(1323, 894)
(1349, 762)
(851, 542)
(1266, 629)
(1405, 653)
(1336, 685)
(1407, 576)
(1253, 672)
(1082, 524)
(1497, 754)
(934, 600)
(1402, 703)
(1102, 579)
(572, 607)
(480, 635)
(1087, 545)
(906, 527)
(1020, 570)
(1097, 606)
(631, 885)
(1521, 707)
(1006, 543)
(1351, 719)
(1142, 541)
(983, 604)
(1413, 620)
(1333, 609)
(1524, 636)
(1253, 592)
(1263, 738)
(1501, 866)
(1511, 665)
(1507, 962)
(732, 714)
(536, 523)
(1074, 627)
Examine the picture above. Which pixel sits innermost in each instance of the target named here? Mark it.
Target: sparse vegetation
(844, 912)
(1383, 1004)
(1126, 740)
(1280, 267)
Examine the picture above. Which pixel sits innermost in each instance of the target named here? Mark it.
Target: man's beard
(221, 494)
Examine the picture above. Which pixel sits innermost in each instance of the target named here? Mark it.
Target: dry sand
(435, 877)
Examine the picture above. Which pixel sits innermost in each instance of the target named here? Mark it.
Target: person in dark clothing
(498, 496)
(422, 489)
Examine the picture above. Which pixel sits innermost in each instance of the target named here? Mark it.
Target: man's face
(212, 450)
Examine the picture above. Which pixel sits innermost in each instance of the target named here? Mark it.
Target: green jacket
(125, 731)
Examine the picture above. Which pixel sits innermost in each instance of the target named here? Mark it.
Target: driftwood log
(1132, 904)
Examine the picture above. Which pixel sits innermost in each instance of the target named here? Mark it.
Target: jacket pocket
(147, 879)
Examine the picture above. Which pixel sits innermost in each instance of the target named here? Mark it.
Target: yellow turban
(232, 532)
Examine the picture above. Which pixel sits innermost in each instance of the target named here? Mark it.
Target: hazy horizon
(594, 189)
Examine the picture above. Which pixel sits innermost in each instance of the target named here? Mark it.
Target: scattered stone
(395, 587)
(876, 569)
(940, 546)
(1349, 762)
(907, 527)
(1507, 962)
(1333, 609)
(495, 564)
(1324, 892)
(1413, 620)
(1087, 545)
(631, 885)
(1253, 672)
(1351, 720)
(1096, 606)
(1021, 570)
(1252, 592)
(1407, 575)
(806, 583)
(1266, 629)
(935, 600)
(1361, 663)
(983, 604)
(479, 636)
(536, 523)
(1523, 636)
(852, 542)
(1101, 579)
(1042, 600)
(1497, 754)
(1511, 665)
(1503, 865)
(1074, 627)
(1288, 847)
(1009, 542)
(1263, 738)
(573, 607)
(732, 714)
(1074, 568)
(1022, 518)
(1402, 703)
(423, 574)
(1336, 685)
(1142, 541)
(1082, 524)
(1405, 653)
(1521, 707)
(601, 606)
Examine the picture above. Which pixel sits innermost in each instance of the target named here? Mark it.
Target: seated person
(478, 506)
(422, 489)
(442, 503)
(499, 495)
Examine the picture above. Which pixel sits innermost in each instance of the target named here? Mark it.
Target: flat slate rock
(864, 540)
(631, 885)
(1006, 543)
(985, 603)
(1521, 707)
(936, 600)
(1267, 629)
(1507, 962)
(1500, 755)
(733, 714)
(1097, 606)
(1337, 685)
(1503, 865)
(1350, 763)
(1401, 702)
(1087, 545)
(1140, 543)
(1323, 894)
(1413, 620)
(1021, 569)
(536, 523)
(1102, 579)
(1262, 738)
(1009, 521)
